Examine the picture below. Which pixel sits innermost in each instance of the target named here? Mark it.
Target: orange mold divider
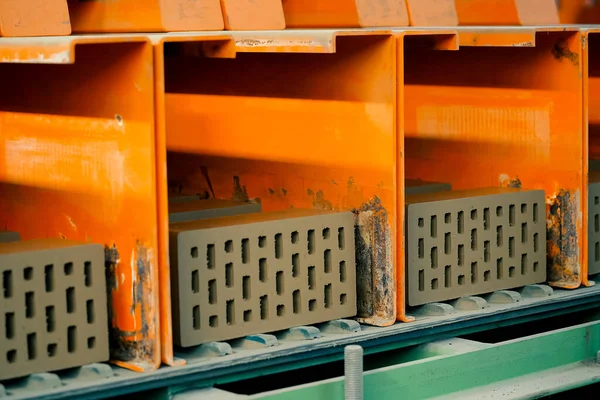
(507, 12)
(34, 18)
(78, 145)
(253, 15)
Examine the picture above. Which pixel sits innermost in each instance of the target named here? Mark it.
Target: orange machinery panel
(251, 15)
(78, 163)
(432, 12)
(507, 109)
(507, 12)
(34, 18)
(344, 13)
(97, 16)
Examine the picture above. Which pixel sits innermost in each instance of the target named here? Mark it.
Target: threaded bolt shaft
(353, 372)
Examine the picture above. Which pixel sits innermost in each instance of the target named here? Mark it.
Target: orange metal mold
(507, 12)
(432, 12)
(34, 18)
(77, 162)
(253, 14)
(145, 15)
(579, 11)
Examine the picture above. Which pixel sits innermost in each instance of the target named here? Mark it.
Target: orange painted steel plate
(253, 14)
(432, 12)
(34, 18)
(507, 12)
(95, 16)
(579, 12)
(78, 145)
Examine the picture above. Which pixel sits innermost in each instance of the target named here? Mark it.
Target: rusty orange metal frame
(34, 18)
(432, 12)
(507, 12)
(79, 163)
(95, 16)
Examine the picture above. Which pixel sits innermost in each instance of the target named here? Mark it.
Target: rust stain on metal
(271, 191)
(320, 203)
(561, 51)
(284, 191)
(561, 239)
(506, 181)
(239, 192)
(375, 274)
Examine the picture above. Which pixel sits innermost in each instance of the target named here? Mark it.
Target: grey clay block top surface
(209, 208)
(7, 236)
(418, 186)
(459, 194)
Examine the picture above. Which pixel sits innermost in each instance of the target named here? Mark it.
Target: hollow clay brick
(209, 208)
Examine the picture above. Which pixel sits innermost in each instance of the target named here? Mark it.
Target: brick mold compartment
(53, 305)
(258, 273)
(473, 242)
(417, 186)
(209, 208)
(8, 236)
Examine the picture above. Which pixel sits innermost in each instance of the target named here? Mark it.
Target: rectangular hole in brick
(229, 246)
(49, 277)
(213, 321)
(11, 356)
(511, 215)
(460, 222)
(499, 211)
(487, 275)
(499, 236)
(511, 247)
(523, 208)
(264, 307)
(499, 268)
(461, 280)
(311, 277)
(421, 222)
(421, 248)
(9, 325)
(474, 214)
(311, 241)
(278, 245)
(473, 239)
(68, 268)
(31, 346)
(535, 242)
(51, 349)
(448, 276)
(524, 232)
(196, 318)
(247, 315)
(295, 237)
(29, 305)
(229, 274)
(523, 264)
(342, 271)
(71, 299)
(262, 269)
(535, 266)
(421, 280)
(596, 200)
(461, 255)
(295, 265)
(486, 218)
(195, 281)
(486, 251)
(597, 223)
(535, 212)
(210, 256)
(433, 226)
(341, 239)
(194, 252)
(91, 342)
(262, 242)
(434, 257)
(447, 243)
(511, 272)
(474, 272)
(87, 272)
(230, 312)
(72, 339)
(434, 284)
(328, 296)
(28, 273)
(327, 261)
(280, 310)
(326, 233)
(343, 298)
(279, 282)
(212, 291)
(447, 218)
(50, 319)
(312, 305)
(597, 251)
(245, 251)
(89, 311)
(246, 284)
(7, 283)
(296, 301)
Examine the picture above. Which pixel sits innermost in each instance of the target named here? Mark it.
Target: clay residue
(561, 51)
(515, 183)
(561, 239)
(506, 181)
(320, 203)
(375, 275)
(239, 192)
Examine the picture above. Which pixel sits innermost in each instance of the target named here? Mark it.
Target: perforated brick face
(6, 236)
(209, 208)
(473, 242)
(417, 186)
(594, 223)
(258, 273)
(53, 306)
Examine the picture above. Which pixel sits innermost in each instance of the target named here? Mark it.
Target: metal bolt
(353, 372)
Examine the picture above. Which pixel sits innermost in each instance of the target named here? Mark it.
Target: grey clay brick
(7, 236)
(594, 223)
(417, 186)
(257, 273)
(470, 242)
(52, 305)
(209, 208)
